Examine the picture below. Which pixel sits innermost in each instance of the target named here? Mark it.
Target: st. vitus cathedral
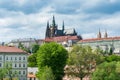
(53, 31)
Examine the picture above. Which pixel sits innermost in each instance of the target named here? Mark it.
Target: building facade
(15, 57)
(105, 43)
(27, 42)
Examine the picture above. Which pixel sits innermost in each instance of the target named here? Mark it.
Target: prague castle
(63, 36)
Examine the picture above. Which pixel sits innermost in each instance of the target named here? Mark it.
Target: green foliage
(2, 73)
(111, 51)
(35, 48)
(118, 67)
(84, 59)
(32, 61)
(112, 58)
(21, 46)
(106, 71)
(6, 72)
(46, 74)
(54, 56)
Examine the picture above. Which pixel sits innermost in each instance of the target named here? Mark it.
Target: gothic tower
(105, 35)
(63, 28)
(47, 31)
(99, 34)
(53, 28)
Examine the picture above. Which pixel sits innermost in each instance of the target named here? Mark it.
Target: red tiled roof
(61, 38)
(99, 39)
(31, 76)
(10, 49)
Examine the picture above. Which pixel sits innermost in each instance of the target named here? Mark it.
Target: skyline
(28, 19)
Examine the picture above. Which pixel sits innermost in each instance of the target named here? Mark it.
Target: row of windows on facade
(14, 58)
(18, 72)
(15, 65)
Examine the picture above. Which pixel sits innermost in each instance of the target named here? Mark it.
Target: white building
(27, 42)
(32, 71)
(104, 43)
(16, 57)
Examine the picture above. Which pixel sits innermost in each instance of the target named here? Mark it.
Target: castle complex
(53, 31)
(66, 37)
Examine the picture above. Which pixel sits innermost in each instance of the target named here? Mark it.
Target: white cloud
(17, 24)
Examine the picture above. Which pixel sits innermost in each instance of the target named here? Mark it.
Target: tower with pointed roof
(99, 34)
(105, 35)
(47, 30)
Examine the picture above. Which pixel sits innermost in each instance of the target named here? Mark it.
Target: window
(11, 58)
(0, 58)
(23, 58)
(19, 65)
(23, 72)
(6, 58)
(15, 58)
(19, 58)
(15, 72)
(23, 65)
(15, 65)
(19, 72)
(0, 64)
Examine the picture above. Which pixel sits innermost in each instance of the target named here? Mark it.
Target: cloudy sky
(28, 18)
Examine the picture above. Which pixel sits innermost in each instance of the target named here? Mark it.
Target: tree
(111, 58)
(35, 48)
(46, 74)
(81, 61)
(32, 61)
(2, 73)
(54, 56)
(106, 71)
(21, 46)
(6, 71)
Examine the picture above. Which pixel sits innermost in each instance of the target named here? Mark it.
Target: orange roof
(99, 39)
(10, 49)
(31, 76)
(61, 38)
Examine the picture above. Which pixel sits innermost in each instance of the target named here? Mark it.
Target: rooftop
(61, 38)
(99, 39)
(11, 49)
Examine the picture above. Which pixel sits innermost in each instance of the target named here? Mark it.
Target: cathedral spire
(105, 35)
(47, 30)
(53, 21)
(63, 26)
(99, 34)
